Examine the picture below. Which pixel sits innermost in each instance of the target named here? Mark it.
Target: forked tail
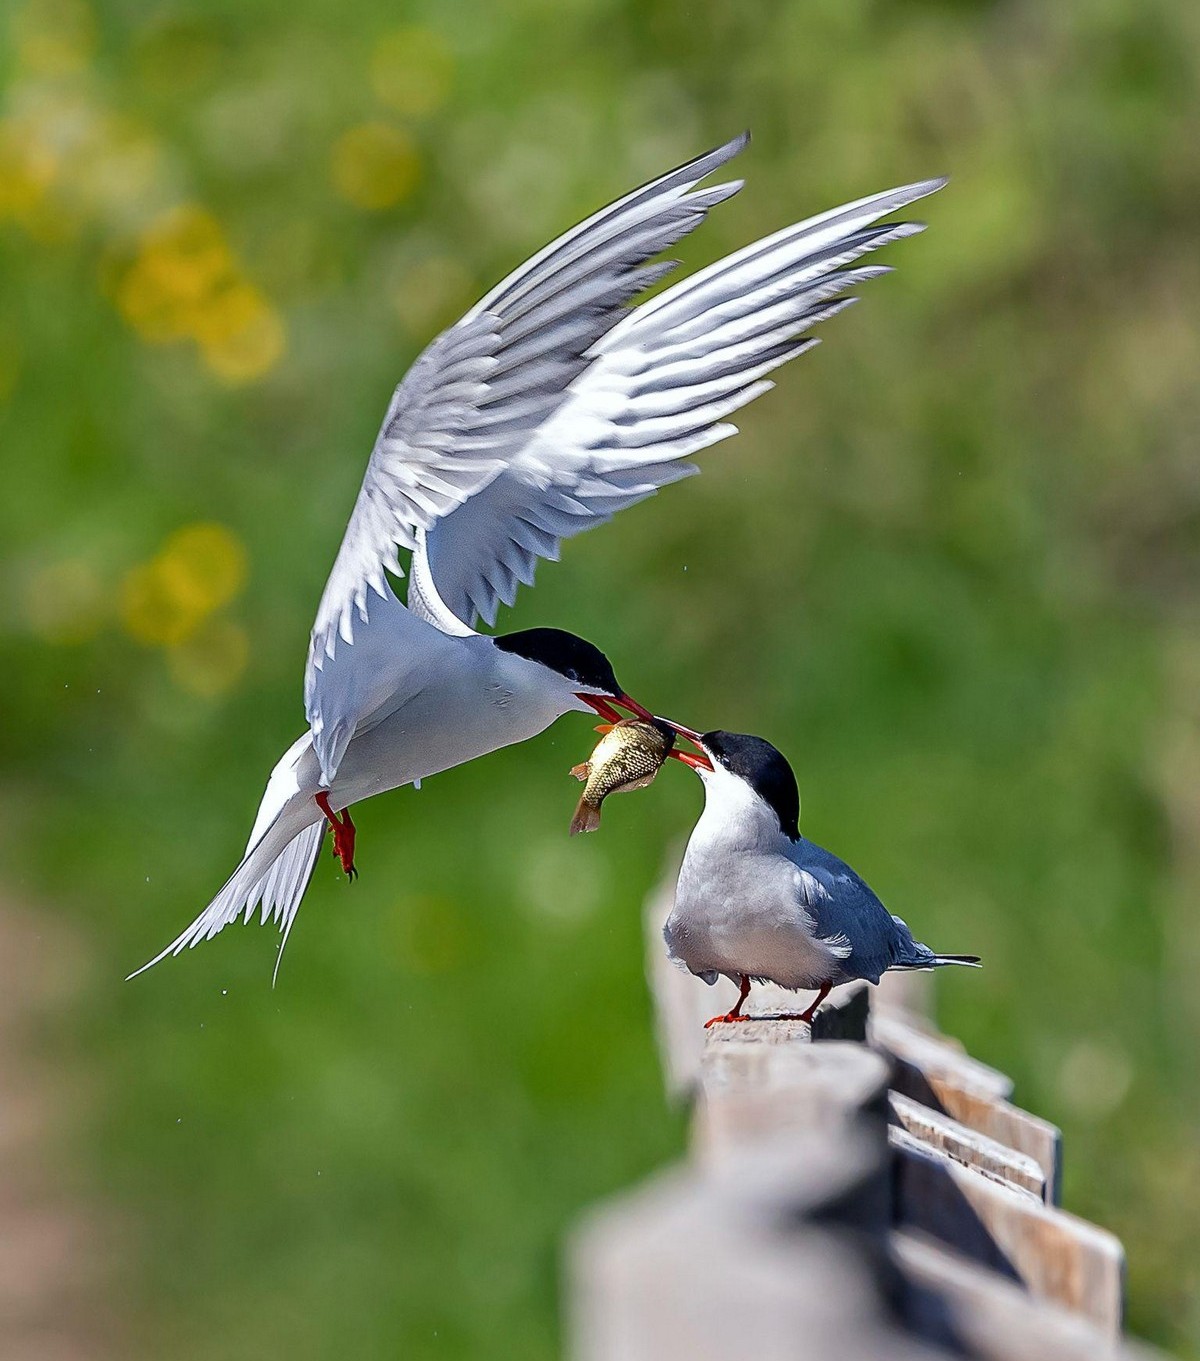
(274, 873)
(932, 961)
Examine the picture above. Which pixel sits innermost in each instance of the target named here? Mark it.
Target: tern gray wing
(479, 393)
(847, 911)
(657, 388)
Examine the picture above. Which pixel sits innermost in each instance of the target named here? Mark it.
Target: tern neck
(423, 597)
(737, 817)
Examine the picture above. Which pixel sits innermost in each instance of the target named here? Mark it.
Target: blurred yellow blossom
(27, 169)
(198, 569)
(186, 283)
(211, 558)
(211, 660)
(182, 260)
(241, 335)
(375, 165)
(54, 37)
(66, 601)
(412, 70)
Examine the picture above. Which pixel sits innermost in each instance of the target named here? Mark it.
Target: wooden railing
(861, 1190)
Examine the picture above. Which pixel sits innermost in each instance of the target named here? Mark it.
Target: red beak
(698, 760)
(604, 707)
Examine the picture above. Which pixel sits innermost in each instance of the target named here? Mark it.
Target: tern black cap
(571, 656)
(764, 768)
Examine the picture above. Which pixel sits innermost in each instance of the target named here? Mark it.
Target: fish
(628, 756)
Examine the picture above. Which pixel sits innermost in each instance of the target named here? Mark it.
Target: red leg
(811, 1010)
(736, 1013)
(343, 833)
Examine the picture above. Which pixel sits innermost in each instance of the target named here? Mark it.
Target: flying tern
(756, 900)
(549, 407)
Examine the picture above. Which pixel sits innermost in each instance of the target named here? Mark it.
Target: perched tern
(549, 407)
(756, 900)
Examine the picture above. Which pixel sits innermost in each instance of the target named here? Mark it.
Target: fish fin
(582, 770)
(586, 819)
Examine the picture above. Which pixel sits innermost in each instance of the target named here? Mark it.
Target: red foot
(810, 1011)
(736, 1013)
(343, 835)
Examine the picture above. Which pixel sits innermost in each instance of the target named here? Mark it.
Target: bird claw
(729, 1018)
(343, 836)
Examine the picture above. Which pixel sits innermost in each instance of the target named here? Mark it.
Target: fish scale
(628, 756)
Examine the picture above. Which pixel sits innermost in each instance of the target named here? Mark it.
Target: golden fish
(628, 756)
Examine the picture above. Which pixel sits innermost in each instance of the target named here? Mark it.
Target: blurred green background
(951, 566)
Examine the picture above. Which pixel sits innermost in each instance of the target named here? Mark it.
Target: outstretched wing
(480, 392)
(658, 388)
(483, 387)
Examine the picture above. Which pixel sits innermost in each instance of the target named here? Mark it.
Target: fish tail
(582, 770)
(587, 817)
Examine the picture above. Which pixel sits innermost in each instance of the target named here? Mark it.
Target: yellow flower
(200, 568)
(182, 260)
(241, 336)
(28, 168)
(185, 283)
(374, 166)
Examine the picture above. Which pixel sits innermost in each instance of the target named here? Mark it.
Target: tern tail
(274, 873)
(933, 961)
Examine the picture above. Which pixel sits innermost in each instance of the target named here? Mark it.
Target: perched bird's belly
(745, 921)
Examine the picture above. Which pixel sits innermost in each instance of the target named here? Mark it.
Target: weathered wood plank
(1054, 1255)
(692, 1268)
(763, 1080)
(957, 1302)
(966, 1145)
(991, 1116)
(936, 1055)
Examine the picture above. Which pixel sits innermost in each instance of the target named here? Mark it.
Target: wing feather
(480, 392)
(659, 387)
